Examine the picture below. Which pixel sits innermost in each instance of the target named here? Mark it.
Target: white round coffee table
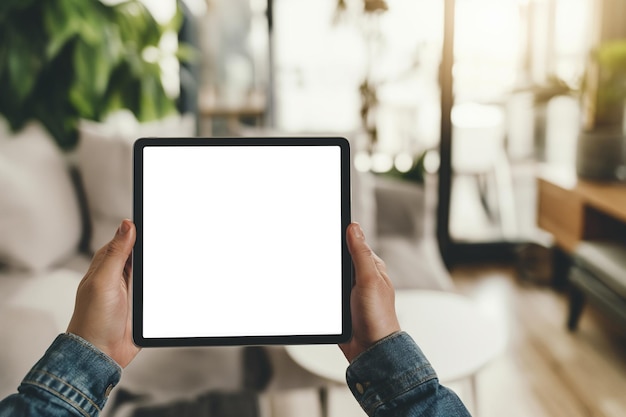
(455, 335)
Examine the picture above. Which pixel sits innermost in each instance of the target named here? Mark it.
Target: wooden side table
(573, 210)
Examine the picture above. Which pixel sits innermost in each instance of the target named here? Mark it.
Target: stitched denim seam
(407, 376)
(380, 402)
(89, 400)
(59, 395)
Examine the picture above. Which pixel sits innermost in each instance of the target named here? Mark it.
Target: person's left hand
(102, 314)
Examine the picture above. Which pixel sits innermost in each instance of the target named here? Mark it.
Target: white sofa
(41, 230)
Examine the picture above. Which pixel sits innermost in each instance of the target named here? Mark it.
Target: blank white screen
(241, 241)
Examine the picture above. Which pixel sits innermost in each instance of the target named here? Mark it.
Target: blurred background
(488, 151)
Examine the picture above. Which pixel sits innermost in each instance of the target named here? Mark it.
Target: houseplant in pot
(90, 73)
(602, 138)
(66, 60)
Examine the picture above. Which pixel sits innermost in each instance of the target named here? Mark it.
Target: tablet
(241, 241)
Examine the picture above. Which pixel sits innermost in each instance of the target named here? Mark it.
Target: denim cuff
(383, 373)
(76, 372)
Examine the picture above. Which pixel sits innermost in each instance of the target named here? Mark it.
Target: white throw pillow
(40, 223)
(105, 162)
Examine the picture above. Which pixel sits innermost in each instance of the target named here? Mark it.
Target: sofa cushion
(40, 222)
(105, 163)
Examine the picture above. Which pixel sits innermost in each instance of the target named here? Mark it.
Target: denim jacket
(394, 378)
(73, 378)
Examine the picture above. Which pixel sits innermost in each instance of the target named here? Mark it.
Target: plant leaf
(61, 60)
(59, 27)
(137, 25)
(9, 6)
(92, 70)
(187, 53)
(4, 52)
(24, 66)
(148, 102)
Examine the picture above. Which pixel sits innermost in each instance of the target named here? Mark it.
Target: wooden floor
(545, 370)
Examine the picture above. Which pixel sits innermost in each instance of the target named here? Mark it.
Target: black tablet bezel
(346, 287)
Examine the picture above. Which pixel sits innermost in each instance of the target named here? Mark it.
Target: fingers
(116, 253)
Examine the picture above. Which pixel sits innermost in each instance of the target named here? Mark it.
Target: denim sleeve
(73, 378)
(394, 378)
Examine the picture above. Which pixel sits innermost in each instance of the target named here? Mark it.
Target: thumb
(118, 250)
(363, 257)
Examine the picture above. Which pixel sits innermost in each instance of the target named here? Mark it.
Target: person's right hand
(372, 300)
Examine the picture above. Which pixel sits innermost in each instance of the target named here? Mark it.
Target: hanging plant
(369, 104)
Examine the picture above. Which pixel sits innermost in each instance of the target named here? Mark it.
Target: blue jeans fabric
(394, 378)
(73, 378)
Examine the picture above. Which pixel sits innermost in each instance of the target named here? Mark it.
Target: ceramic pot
(599, 154)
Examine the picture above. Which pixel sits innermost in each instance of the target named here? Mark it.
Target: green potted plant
(601, 141)
(66, 60)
